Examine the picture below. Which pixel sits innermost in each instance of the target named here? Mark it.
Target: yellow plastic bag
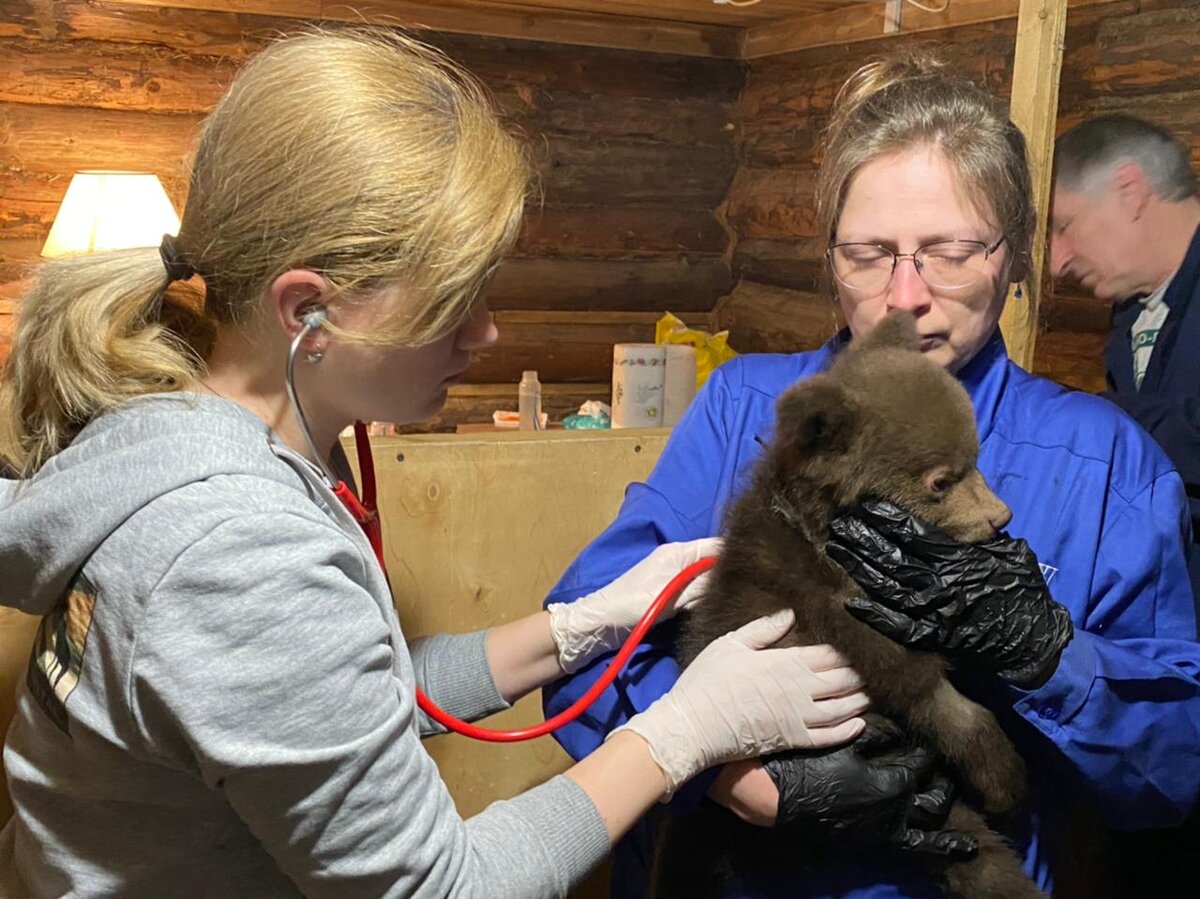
(711, 349)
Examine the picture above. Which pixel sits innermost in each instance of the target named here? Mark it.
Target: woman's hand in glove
(600, 622)
(739, 699)
(869, 791)
(983, 604)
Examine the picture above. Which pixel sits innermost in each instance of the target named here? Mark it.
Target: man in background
(1126, 224)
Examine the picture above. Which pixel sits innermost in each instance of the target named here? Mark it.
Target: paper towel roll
(639, 375)
(680, 384)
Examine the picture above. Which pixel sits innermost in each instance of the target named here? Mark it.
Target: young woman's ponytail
(90, 335)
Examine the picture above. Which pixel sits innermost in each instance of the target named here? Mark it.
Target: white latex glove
(738, 700)
(600, 621)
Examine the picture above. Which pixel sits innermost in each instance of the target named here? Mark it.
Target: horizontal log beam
(578, 169)
(236, 35)
(225, 34)
(1178, 112)
(794, 264)
(562, 346)
(787, 100)
(864, 22)
(772, 203)
(791, 141)
(17, 256)
(29, 202)
(505, 21)
(597, 73)
(620, 231)
(110, 76)
(762, 318)
(691, 283)
(691, 122)
(851, 23)
(1151, 53)
(7, 323)
(59, 140)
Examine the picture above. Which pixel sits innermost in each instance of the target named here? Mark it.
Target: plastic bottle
(529, 402)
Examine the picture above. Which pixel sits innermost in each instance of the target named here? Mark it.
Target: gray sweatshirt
(220, 701)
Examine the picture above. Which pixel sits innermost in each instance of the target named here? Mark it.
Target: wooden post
(1041, 25)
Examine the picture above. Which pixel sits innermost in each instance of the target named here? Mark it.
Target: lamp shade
(111, 211)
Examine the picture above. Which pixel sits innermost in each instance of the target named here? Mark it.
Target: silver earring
(313, 358)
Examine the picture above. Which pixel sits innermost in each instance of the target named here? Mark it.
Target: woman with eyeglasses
(924, 194)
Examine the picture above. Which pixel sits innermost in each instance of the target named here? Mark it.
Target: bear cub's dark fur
(886, 422)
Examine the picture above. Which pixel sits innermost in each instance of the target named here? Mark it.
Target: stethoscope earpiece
(315, 319)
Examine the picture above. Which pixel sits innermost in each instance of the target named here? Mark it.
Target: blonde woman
(1086, 653)
(220, 700)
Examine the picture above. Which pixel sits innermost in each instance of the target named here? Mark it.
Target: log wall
(666, 181)
(634, 153)
(1137, 57)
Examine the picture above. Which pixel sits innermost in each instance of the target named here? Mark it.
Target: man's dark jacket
(1168, 404)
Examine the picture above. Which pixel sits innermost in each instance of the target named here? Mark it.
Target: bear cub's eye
(939, 481)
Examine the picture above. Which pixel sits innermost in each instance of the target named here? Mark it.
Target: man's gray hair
(1086, 156)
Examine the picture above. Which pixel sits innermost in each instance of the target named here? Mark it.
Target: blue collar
(984, 377)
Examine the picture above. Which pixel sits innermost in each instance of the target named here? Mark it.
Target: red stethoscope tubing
(366, 513)
(579, 706)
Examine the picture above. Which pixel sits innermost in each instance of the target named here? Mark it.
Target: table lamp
(111, 211)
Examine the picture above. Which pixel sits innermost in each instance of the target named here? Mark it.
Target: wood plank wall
(1137, 57)
(634, 151)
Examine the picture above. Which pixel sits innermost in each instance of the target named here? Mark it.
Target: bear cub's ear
(815, 418)
(897, 331)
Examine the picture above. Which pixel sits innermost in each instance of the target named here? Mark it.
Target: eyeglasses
(946, 264)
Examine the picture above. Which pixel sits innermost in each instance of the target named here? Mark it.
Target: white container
(679, 385)
(639, 375)
(529, 402)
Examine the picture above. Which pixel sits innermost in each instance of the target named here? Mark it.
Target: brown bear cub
(884, 422)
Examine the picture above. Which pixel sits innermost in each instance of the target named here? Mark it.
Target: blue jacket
(1106, 514)
(1168, 403)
